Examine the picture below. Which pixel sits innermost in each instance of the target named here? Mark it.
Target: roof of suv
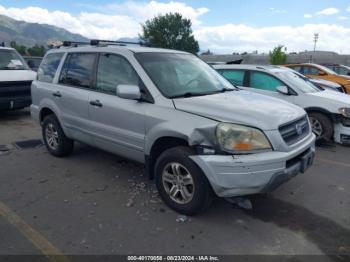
(6, 48)
(111, 48)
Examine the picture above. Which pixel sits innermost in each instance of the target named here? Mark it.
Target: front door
(118, 124)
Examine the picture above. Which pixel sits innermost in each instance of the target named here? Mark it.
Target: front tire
(54, 138)
(181, 183)
(321, 126)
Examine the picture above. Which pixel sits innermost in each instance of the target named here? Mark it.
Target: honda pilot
(197, 135)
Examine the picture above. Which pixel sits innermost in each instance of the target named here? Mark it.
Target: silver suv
(197, 135)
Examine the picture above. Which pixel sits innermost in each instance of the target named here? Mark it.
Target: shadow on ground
(329, 236)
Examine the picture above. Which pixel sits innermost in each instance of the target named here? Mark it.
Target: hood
(324, 82)
(331, 101)
(17, 75)
(242, 107)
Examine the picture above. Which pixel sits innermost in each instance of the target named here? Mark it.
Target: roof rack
(74, 43)
(98, 42)
(120, 43)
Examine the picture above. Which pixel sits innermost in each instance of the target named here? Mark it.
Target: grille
(15, 88)
(295, 131)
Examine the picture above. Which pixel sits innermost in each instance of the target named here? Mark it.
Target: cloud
(308, 16)
(123, 20)
(342, 18)
(105, 22)
(239, 38)
(328, 11)
(147, 10)
(348, 9)
(277, 11)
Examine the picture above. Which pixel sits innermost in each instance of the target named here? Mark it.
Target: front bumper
(341, 134)
(255, 173)
(12, 103)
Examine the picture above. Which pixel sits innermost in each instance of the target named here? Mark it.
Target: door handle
(57, 94)
(96, 103)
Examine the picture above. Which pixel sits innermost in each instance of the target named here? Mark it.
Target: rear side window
(114, 70)
(236, 77)
(297, 68)
(78, 70)
(308, 70)
(264, 81)
(48, 67)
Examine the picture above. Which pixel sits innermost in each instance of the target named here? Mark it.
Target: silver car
(197, 135)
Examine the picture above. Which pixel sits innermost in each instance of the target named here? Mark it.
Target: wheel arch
(323, 111)
(158, 147)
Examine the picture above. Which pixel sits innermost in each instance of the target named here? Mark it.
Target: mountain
(29, 34)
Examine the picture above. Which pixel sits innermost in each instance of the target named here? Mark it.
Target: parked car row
(234, 131)
(315, 71)
(328, 111)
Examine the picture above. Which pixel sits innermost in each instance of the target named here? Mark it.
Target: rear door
(235, 77)
(118, 124)
(75, 83)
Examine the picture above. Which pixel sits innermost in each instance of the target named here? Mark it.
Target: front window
(11, 60)
(114, 70)
(181, 75)
(264, 81)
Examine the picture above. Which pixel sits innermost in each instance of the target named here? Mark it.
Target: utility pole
(315, 40)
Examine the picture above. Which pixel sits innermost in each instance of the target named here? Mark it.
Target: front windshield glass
(327, 70)
(299, 81)
(11, 60)
(181, 75)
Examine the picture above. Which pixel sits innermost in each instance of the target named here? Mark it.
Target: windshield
(300, 82)
(327, 70)
(181, 75)
(11, 60)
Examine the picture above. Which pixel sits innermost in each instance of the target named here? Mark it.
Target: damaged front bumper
(341, 134)
(237, 175)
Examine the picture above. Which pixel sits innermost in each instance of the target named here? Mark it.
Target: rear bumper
(12, 103)
(255, 173)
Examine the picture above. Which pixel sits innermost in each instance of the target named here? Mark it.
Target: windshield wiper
(190, 94)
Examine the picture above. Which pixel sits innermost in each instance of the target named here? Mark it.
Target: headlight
(237, 138)
(344, 111)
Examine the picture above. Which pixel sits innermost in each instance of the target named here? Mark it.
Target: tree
(20, 48)
(170, 31)
(208, 52)
(36, 50)
(277, 56)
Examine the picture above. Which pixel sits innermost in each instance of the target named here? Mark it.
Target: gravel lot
(94, 202)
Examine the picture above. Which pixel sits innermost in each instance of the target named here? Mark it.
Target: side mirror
(131, 92)
(322, 73)
(283, 90)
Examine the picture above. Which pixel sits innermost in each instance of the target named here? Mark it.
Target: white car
(329, 111)
(15, 80)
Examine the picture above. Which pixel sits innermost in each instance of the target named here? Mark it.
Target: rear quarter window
(78, 70)
(48, 67)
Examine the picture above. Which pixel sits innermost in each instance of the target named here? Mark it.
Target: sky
(223, 26)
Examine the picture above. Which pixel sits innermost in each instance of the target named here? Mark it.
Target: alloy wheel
(178, 183)
(51, 135)
(316, 126)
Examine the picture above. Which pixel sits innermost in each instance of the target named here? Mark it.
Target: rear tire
(321, 126)
(54, 138)
(181, 183)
